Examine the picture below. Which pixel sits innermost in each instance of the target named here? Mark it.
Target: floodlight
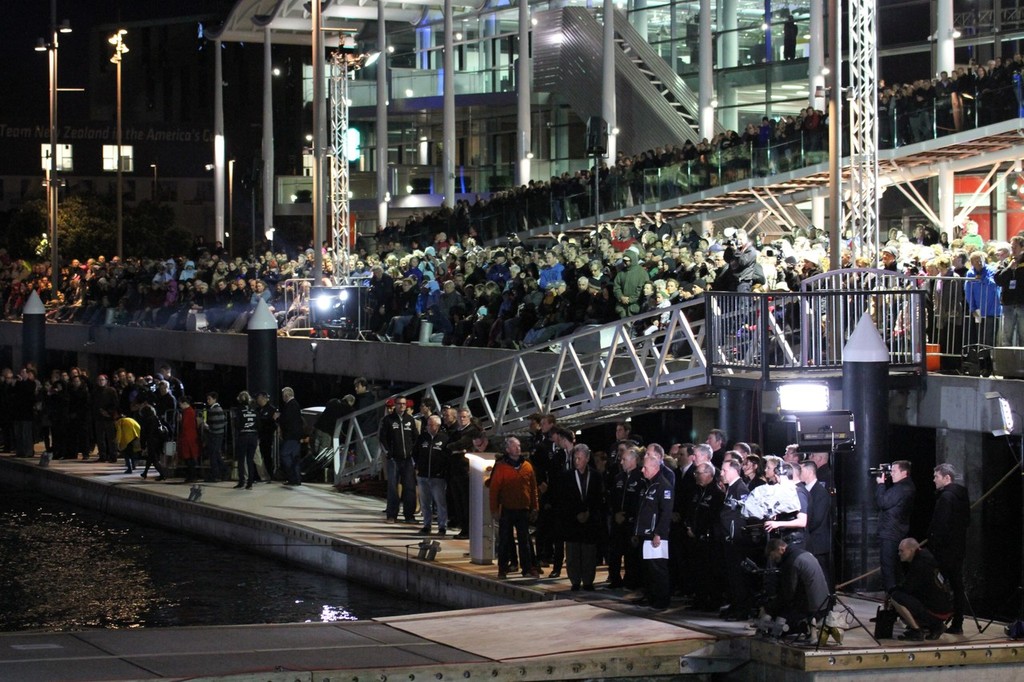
(803, 397)
(323, 303)
(1005, 414)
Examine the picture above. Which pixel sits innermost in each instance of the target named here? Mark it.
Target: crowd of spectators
(508, 296)
(436, 268)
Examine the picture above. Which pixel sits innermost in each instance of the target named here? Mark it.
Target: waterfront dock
(523, 628)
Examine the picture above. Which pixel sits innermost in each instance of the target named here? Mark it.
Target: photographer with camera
(894, 498)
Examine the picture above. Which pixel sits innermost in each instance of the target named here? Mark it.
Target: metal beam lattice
(339, 165)
(861, 218)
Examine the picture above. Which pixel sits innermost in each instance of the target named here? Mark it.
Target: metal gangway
(661, 359)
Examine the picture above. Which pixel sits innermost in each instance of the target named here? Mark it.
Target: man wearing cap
(498, 271)
(629, 283)
(890, 255)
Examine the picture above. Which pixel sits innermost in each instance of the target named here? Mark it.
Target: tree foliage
(87, 227)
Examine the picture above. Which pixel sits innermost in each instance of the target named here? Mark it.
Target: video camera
(881, 470)
(750, 566)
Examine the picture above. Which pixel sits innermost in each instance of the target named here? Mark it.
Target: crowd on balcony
(436, 268)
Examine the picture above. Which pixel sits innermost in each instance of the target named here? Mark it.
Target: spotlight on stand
(818, 429)
(337, 312)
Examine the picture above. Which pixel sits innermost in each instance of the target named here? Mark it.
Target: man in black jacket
(293, 431)
(397, 440)
(923, 600)
(653, 524)
(947, 536)
(433, 461)
(895, 500)
(733, 550)
(818, 532)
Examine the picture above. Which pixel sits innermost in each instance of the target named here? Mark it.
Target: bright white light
(408, 189)
(458, 35)
(533, 21)
(323, 303)
(343, 296)
(615, 131)
(803, 397)
(276, 71)
(391, 49)
(408, 92)
(955, 34)
(294, 198)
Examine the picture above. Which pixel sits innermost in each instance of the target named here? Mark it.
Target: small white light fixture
(276, 71)
(1005, 414)
(408, 189)
(803, 397)
(825, 71)
(955, 33)
(529, 155)
(458, 35)
(408, 92)
(533, 21)
(615, 131)
(714, 102)
(391, 49)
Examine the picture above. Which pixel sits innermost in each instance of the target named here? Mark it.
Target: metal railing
(957, 313)
(610, 369)
(765, 333)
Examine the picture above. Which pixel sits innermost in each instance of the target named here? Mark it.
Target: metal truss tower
(339, 188)
(861, 217)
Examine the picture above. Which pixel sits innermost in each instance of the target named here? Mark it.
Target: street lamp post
(52, 188)
(156, 185)
(117, 40)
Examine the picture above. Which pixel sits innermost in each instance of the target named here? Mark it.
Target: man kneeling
(924, 599)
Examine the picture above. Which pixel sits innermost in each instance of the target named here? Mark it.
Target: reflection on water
(68, 568)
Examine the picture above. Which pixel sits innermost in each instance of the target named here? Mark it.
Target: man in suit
(730, 525)
(818, 532)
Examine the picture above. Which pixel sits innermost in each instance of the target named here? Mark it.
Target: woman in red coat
(188, 439)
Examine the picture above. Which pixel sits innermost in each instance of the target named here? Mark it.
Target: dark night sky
(23, 74)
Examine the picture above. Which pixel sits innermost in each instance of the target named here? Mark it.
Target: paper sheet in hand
(659, 552)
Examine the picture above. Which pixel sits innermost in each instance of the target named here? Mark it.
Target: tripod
(831, 602)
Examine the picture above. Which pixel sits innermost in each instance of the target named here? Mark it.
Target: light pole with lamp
(52, 189)
(156, 185)
(117, 40)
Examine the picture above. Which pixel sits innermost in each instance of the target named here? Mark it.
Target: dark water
(67, 568)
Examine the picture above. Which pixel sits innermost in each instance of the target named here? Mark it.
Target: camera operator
(743, 262)
(894, 498)
(803, 589)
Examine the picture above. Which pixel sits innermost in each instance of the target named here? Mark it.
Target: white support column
(218, 144)
(640, 20)
(944, 41)
(705, 74)
(523, 96)
(381, 124)
(818, 212)
(816, 56)
(608, 79)
(268, 134)
(448, 109)
(946, 206)
(999, 230)
(729, 39)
